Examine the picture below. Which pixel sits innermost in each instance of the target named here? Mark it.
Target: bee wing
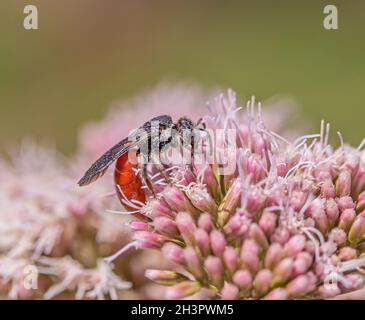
(142, 135)
(100, 166)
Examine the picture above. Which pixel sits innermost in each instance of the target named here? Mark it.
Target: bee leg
(161, 169)
(142, 164)
(146, 179)
(191, 163)
(163, 172)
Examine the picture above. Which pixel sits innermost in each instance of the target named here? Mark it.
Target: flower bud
(299, 286)
(360, 206)
(156, 208)
(338, 236)
(237, 224)
(302, 263)
(274, 197)
(258, 235)
(186, 226)
(329, 249)
(230, 257)
(274, 255)
(319, 269)
(184, 176)
(166, 226)
(229, 291)
(313, 280)
(243, 279)
(193, 262)
(282, 272)
(281, 235)
(347, 253)
(295, 245)
(210, 180)
(173, 252)
(328, 291)
(250, 245)
(263, 281)
(255, 200)
(345, 203)
(217, 242)
(323, 173)
(332, 212)
(177, 200)
(182, 290)
(282, 166)
(343, 183)
(359, 181)
(315, 208)
(201, 198)
(268, 222)
(250, 261)
(137, 225)
(277, 294)
(347, 218)
(202, 240)
(317, 212)
(148, 240)
(328, 190)
(214, 268)
(230, 202)
(253, 167)
(352, 163)
(310, 247)
(353, 281)
(164, 277)
(357, 231)
(297, 199)
(205, 222)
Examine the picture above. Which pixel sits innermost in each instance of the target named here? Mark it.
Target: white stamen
(361, 145)
(327, 134)
(322, 133)
(316, 246)
(341, 139)
(122, 212)
(114, 256)
(306, 137)
(138, 202)
(352, 264)
(279, 137)
(297, 166)
(126, 201)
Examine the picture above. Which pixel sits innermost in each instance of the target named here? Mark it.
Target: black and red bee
(125, 177)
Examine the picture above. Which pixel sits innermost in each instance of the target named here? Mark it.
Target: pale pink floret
(42, 213)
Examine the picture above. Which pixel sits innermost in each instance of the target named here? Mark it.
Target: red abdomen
(130, 183)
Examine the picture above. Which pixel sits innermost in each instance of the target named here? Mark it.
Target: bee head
(189, 130)
(185, 127)
(184, 124)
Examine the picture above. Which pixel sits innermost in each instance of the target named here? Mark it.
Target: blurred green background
(89, 53)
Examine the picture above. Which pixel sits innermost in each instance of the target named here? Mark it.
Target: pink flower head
(284, 220)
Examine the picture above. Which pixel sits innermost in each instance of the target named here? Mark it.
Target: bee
(158, 131)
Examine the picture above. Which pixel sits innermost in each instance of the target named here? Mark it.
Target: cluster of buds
(52, 233)
(288, 223)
